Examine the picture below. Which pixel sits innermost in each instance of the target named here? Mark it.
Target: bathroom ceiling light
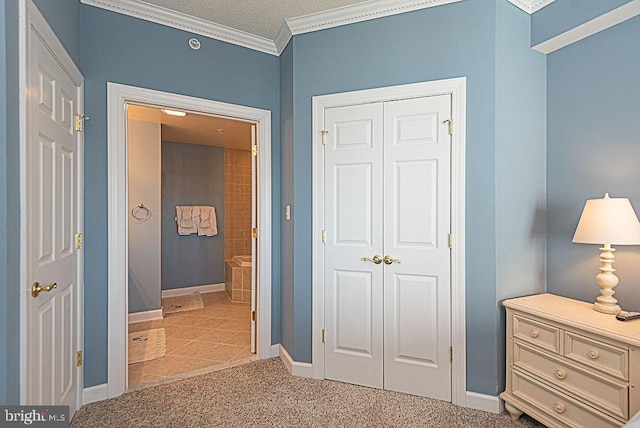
(174, 112)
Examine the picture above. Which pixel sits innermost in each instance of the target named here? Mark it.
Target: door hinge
(254, 316)
(324, 236)
(254, 232)
(324, 137)
(254, 149)
(450, 121)
(324, 336)
(79, 240)
(80, 122)
(451, 354)
(450, 238)
(78, 358)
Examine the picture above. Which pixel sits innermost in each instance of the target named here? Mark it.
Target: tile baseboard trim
(209, 288)
(95, 393)
(484, 402)
(155, 314)
(295, 368)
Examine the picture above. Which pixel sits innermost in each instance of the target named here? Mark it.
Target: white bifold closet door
(387, 194)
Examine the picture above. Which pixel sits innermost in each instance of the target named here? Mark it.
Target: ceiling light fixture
(174, 112)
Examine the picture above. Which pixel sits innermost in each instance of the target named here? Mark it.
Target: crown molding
(600, 23)
(283, 37)
(181, 21)
(357, 13)
(531, 6)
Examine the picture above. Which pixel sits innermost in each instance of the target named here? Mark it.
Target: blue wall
(435, 43)
(286, 155)
(3, 210)
(191, 175)
(563, 15)
(521, 133)
(9, 209)
(122, 49)
(593, 148)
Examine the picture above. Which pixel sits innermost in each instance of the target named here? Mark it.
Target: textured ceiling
(196, 129)
(260, 17)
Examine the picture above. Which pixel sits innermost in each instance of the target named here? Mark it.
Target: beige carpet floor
(264, 394)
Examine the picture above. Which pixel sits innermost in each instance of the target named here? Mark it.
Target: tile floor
(216, 334)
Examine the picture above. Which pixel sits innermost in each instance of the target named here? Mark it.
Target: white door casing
(118, 97)
(254, 240)
(52, 165)
(353, 220)
(456, 89)
(417, 317)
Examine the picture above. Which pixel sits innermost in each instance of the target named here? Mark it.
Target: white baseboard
(275, 350)
(155, 314)
(487, 403)
(295, 368)
(209, 288)
(95, 393)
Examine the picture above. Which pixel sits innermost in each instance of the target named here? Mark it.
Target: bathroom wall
(237, 179)
(144, 235)
(192, 175)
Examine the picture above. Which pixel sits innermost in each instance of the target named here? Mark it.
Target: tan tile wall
(237, 200)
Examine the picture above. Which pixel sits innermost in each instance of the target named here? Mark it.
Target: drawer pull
(593, 354)
(559, 407)
(534, 333)
(561, 374)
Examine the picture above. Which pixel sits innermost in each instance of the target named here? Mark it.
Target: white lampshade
(608, 221)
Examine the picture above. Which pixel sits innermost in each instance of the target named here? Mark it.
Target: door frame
(118, 96)
(455, 87)
(31, 18)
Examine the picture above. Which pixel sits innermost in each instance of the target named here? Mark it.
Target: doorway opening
(121, 99)
(191, 203)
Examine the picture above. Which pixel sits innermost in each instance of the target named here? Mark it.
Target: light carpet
(264, 394)
(187, 302)
(147, 345)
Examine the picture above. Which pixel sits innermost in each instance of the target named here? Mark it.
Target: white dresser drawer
(540, 334)
(606, 394)
(564, 409)
(604, 357)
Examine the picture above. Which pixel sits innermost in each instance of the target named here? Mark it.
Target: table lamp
(607, 221)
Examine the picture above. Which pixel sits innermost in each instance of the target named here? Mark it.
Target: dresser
(569, 366)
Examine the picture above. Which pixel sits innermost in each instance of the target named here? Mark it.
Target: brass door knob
(36, 288)
(390, 260)
(376, 259)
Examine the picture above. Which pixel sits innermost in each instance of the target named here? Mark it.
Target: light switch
(287, 212)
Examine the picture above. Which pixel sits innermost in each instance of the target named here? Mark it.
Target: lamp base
(607, 280)
(606, 308)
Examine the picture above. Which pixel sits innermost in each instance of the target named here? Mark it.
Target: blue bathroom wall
(191, 175)
(126, 50)
(436, 43)
(593, 148)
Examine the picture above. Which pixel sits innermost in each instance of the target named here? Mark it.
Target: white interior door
(417, 312)
(254, 240)
(387, 194)
(52, 220)
(353, 224)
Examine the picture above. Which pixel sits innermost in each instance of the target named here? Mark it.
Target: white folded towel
(207, 225)
(186, 225)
